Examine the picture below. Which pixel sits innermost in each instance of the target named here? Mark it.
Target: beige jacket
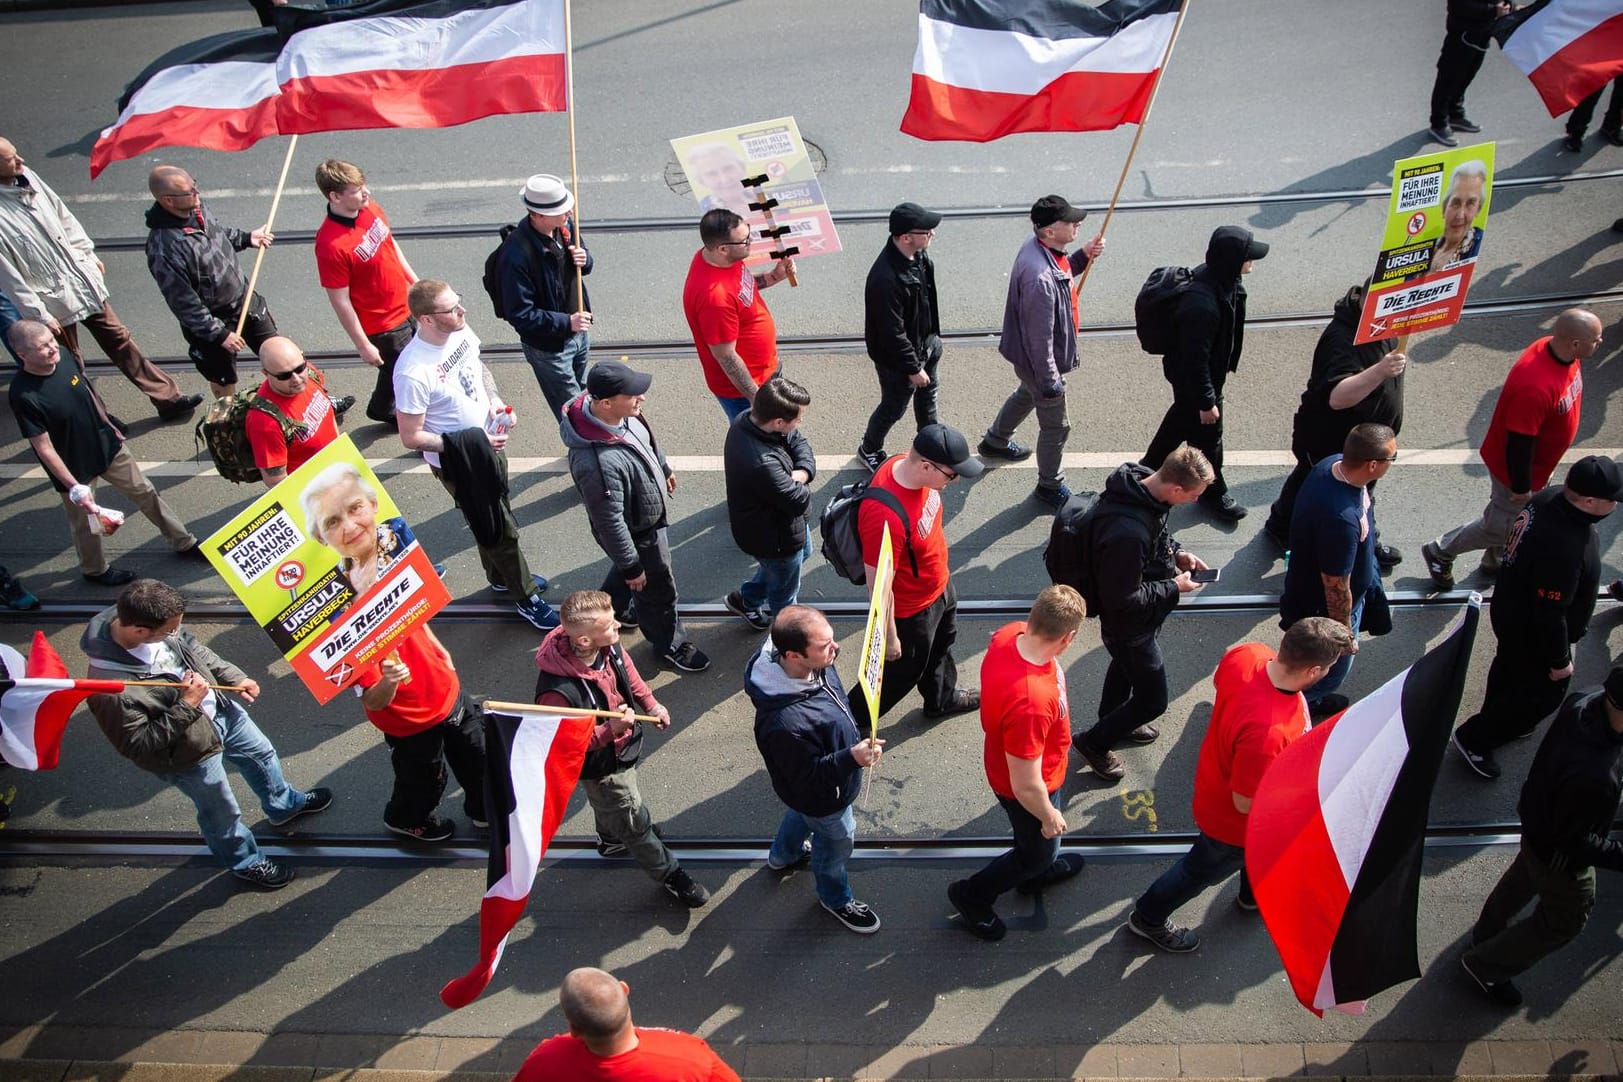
(47, 262)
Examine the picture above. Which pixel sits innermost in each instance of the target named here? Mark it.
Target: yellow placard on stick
(872, 674)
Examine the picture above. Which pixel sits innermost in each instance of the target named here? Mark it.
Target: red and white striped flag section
(989, 68)
(532, 763)
(1568, 48)
(36, 699)
(1338, 827)
(383, 64)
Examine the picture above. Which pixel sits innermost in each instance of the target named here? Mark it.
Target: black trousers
(1457, 65)
(1135, 691)
(419, 767)
(1582, 113)
(1182, 425)
(380, 407)
(926, 662)
(655, 604)
(1519, 695)
(894, 393)
(212, 360)
(1031, 856)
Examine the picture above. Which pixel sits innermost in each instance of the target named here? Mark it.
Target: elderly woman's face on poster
(348, 518)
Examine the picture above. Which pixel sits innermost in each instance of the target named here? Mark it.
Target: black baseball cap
(946, 446)
(1055, 208)
(906, 217)
(609, 378)
(1596, 476)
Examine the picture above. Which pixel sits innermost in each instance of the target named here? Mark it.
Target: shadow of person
(1362, 172)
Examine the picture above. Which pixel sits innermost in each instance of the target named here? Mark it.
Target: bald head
(596, 1006)
(11, 163)
(278, 354)
(168, 180)
(1576, 334)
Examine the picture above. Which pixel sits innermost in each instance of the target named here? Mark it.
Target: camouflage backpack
(225, 431)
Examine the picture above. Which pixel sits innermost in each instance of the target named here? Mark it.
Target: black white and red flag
(381, 64)
(36, 699)
(1338, 826)
(1568, 48)
(989, 68)
(532, 763)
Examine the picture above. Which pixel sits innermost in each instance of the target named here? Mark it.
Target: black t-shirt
(1319, 430)
(61, 406)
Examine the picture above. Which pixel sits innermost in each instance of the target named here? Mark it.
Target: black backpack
(1155, 311)
(492, 278)
(1069, 555)
(842, 544)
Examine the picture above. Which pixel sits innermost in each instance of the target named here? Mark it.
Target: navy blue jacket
(805, 734)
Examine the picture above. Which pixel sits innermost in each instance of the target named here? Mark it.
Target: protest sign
(871, 670)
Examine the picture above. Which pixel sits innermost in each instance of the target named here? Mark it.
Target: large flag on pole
(1337, 828)
(532, 763)
(36, 700)
(383, 64)
(1568, 48)
(989, 68)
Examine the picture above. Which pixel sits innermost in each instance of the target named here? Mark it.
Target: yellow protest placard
(871, 675)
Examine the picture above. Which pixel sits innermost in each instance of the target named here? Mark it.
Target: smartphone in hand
(1210, 574)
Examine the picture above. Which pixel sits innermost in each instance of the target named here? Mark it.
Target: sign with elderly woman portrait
(329, 569)
(1434, 231)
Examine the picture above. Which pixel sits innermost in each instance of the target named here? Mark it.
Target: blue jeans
(218, 816)
(832, 837)
(732, 407)
(777, 581)
(561, 373)
(1032, 854)
(1338, 672)
(1208, 861)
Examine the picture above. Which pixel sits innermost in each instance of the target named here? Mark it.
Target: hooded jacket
(194, 262)
(1039, 331)
(1317, 430)
(153, 727)
(538, 286)
(597, 689)
(622, 487)
(47, 262)
(1545, 593)
(1210, 321)
(805, 733)
(766, 506)
(901, 321)
(1135, 558)
(1572, 789)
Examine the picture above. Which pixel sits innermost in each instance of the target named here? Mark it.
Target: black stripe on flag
(258, 46)
(501, 730)
(1375, 946)
(1054, 20)
(289, 19)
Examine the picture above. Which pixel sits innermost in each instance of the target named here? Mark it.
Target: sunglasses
(289, 374)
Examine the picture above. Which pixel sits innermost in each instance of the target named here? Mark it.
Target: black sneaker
(680, 885)
(1014, 452)
(856, 916)
(1387, 556)
(1439, 565)
(1614, 590)
(1053, 496)
(315, 801)
(341, 405)
(1572, 142)
(432, 829)
(962, 702)
(1245, 903)
(542, 616)
(1108, 766)
(194, 551)
(611, 850)
(1442, 133)
(1223, 507)
(180, 407)
(1613, 136)
(113, 576)
(1171, 939)
(1065, 866)
(1482, 762)
(265, 874)
(979, 920)
(1280, 537)
(1463, 123)
(687, 657)
(13, 596)
(1504, 993)
(755, 618)
(871, 460)
(1329, 706)
(540, 587)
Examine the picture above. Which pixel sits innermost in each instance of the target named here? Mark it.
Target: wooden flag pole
(1143, 122)
(276, 201)
(574, 172)
(173, 684)
(492, 706)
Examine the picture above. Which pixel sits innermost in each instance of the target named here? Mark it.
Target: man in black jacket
(1206, 348)
(769, 466)
(902, 326)
(1568, 804)
(193, 258)
(1541, 607)
(1467, 33)
(1349, 385)
(543, 296)
(1138, 572)
(814, 755)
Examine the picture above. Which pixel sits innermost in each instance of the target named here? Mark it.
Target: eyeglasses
(943, 471)
(921, 232)
(188, 193)
(455, 310)
(289, 374)
(1392, 458)
(745, 243)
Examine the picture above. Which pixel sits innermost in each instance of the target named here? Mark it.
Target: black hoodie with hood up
(1211, 322)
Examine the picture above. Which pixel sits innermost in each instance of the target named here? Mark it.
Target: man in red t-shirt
(1257, 711)
(414, 697)
(602, 1043)
(1534, 421)
(1028, 741)
(732, 328)
(365, 275)
(299, 390)
(922, 619)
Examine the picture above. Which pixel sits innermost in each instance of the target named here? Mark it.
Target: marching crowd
(1112, 555)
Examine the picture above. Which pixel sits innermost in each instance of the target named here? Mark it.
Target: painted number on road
(1140, 804)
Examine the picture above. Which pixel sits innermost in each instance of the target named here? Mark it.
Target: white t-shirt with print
(446, 384)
